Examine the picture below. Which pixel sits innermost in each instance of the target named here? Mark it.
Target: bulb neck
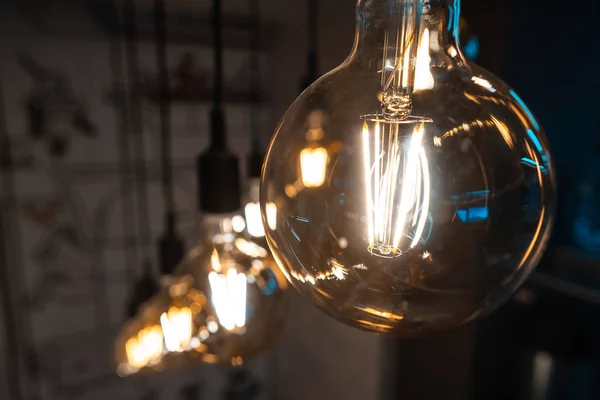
(392, 34)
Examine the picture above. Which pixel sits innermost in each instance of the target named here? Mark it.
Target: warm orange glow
(423, 77)
(313, 165)
(397, 187)
(144, 348)
(382, 314)
(177, 328)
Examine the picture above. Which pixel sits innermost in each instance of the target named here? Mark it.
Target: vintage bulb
(436, 196)
(225, 303)
(254, 224)
(245, 290)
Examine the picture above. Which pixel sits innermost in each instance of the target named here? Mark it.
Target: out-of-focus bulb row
(254, 223)
(224, 304)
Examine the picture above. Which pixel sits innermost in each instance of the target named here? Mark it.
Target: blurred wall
(67, 331)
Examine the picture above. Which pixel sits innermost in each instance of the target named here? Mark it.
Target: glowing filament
(397, 187)
(229, 297)
(313, 165)
(423, 77)
(254, 220)
(177, 328)
(144, 348)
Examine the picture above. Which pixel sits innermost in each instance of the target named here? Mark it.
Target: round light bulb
(435, 198)
(246, 295)
(225, 303)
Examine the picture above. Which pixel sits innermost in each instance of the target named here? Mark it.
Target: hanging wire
(164, 107)
(11, 325)
(313, 40)
(312, 62)
(144, 229)
(255, 77)
(218, 55)
(124, 149)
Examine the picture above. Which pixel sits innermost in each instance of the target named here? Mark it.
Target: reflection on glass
(252, 211)
(437, 201)
(313, 162)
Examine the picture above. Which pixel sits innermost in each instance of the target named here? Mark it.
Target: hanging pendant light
(254, 223)
(170, 245)
(227, 299)
(147, 285)
(315, 156)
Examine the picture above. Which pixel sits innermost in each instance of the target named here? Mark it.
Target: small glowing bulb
(313, 164)
(177, 328)
(229, 298)
(238, 224)
(255, 226)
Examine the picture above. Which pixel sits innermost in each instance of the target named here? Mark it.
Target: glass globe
(226, 302)
(414, 191)
(246, 293)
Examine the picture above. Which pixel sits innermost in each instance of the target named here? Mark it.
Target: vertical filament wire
(397, 186)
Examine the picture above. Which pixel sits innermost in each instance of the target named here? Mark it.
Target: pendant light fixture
(314, 157)
(254, 223)
(439, 198)
(170, 245)
(146, 286)
(227, 299)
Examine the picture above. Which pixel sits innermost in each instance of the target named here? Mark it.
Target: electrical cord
(255, 77)
(164, 105)
(13, 368)
(124, 150)
(131, 43)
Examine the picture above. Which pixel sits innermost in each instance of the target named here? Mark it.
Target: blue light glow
(535, 140)
(586, 234)
(471, 49)
(525, 108)
(530, 163)
(295, 234)
(473, 214)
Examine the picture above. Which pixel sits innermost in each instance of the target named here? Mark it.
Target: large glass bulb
(434, 195)
(226, 302)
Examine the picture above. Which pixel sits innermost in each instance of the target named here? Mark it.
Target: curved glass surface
(414, 191)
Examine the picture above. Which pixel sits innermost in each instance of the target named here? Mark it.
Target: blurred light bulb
(252, 211)
(313, 162)
(437, 201)
(238, 224)
(145, 348)
(225, 303)
(177, 328)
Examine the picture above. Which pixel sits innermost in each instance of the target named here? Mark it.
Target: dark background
(542, 345)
